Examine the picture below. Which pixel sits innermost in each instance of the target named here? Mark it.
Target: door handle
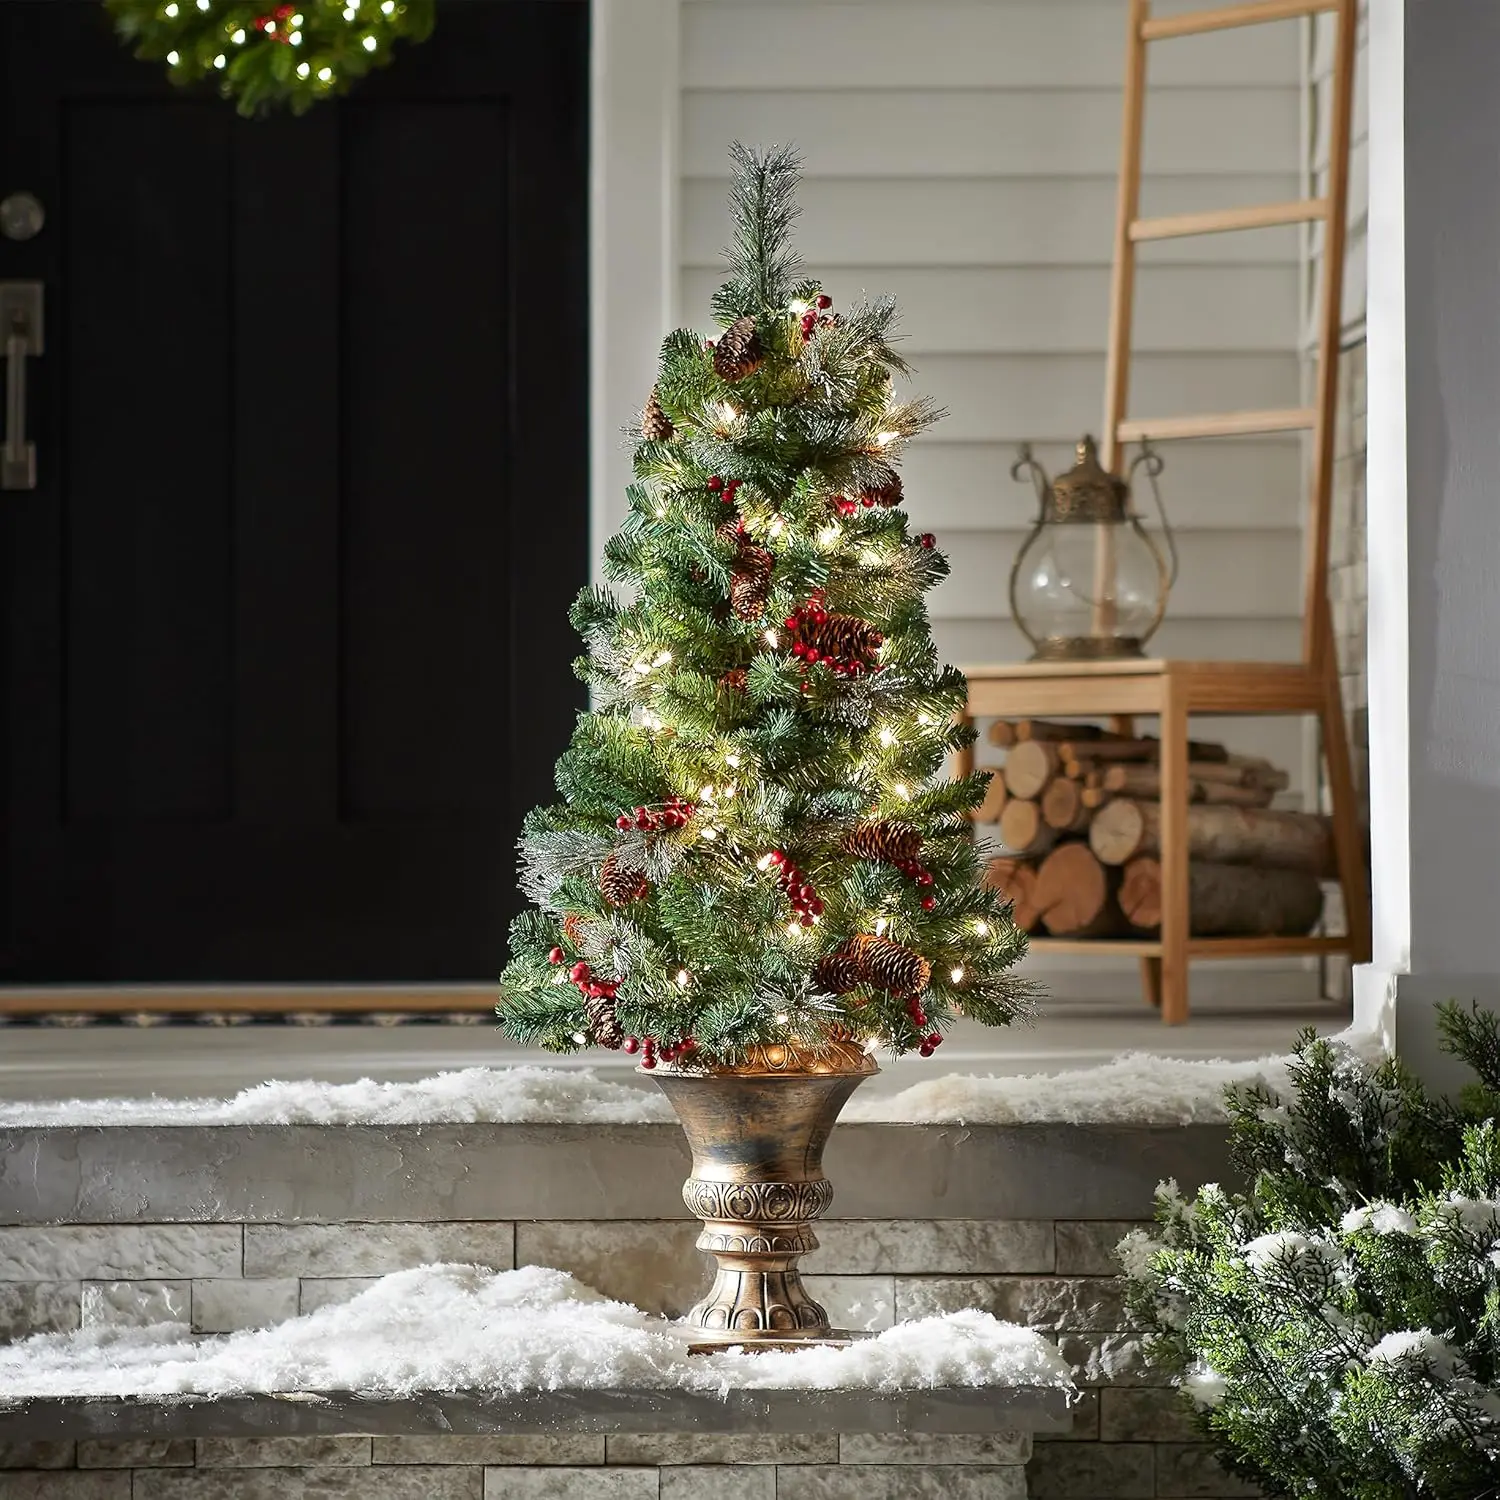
(21, 328)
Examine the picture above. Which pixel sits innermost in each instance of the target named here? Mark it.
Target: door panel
(285, 657)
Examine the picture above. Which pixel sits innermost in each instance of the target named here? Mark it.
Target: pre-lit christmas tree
(753, 843)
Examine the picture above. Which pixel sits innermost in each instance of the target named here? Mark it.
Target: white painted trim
(1386, 501)
(634, 93)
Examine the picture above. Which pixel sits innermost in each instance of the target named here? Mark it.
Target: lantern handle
(1155, 463)
(1018, 470)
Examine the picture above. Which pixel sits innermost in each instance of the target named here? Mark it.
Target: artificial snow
(1380, 1218)
(499, 1096)
(1136, 1088)
(453, 1327)
(1284, 1248)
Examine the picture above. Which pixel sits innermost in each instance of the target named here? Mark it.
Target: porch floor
(1239, 1021)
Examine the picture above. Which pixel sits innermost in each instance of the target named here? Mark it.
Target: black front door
(284, 655)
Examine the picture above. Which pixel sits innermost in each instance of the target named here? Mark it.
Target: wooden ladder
(1331, 210)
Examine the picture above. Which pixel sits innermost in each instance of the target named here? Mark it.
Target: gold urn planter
(757, 1132)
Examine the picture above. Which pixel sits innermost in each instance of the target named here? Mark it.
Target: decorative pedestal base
(757, 1135)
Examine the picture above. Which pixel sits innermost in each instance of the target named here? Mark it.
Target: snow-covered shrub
(1337, 1324)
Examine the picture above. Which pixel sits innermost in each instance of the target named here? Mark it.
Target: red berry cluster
(268, 23)
(725, 489)
(914, 869)
(927, 540)
(812, 614)
(673, 813)
(843, 504)
(649, 1050)
(933, 1040)
(584, 979)
(799, 892)
(810, 318)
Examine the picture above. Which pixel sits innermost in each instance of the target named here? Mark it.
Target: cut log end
(1022, 830)
(1029, 766)
(1075, 894)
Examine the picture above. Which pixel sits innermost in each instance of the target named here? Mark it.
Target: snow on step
(463, 1328)
(1136, 1088)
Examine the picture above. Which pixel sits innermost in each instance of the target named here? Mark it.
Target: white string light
(765, 862)
(238, 38)
(172, 59)
(682, 979)
(981, 928)
(303, 69)
(902, 791)
(370, 44)
(885, 439)
(957, 975)
(794, 929)
(880, 926)
(171, 11)
(782, 1018)
(220, 60)
(710, 834)
(828, 536)
(732, 760)
(325, 74)
(772, 639)
(580, 1038)
(887, 736)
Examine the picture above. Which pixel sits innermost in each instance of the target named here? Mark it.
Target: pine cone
(844, 638)
(735, 680)
(891, 841)
(750, 583)
(836, 973)
(572, 926)
(604, 1021)
(656, 425)
(619, 884)
(885, 491)
(888, 965)
(739, 352)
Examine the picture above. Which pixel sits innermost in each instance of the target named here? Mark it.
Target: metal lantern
(1090, 584)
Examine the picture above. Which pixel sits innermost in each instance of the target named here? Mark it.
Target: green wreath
(264, 55)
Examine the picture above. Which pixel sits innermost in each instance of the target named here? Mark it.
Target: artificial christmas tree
(755, 876)
(772, 686)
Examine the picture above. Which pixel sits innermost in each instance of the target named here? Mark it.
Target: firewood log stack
(1079, 817)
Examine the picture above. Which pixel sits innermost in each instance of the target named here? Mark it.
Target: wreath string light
(262, 55)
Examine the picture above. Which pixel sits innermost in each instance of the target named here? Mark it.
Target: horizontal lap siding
(963, 158)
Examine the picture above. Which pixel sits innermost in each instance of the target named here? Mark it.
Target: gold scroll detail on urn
(757, 1133)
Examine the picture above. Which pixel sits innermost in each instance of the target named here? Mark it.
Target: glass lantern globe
(1089, 583)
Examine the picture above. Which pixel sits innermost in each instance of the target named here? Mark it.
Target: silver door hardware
(21, 328)
(21, 216)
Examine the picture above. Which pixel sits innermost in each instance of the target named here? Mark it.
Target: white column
(1434, 516)
(633, 232)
